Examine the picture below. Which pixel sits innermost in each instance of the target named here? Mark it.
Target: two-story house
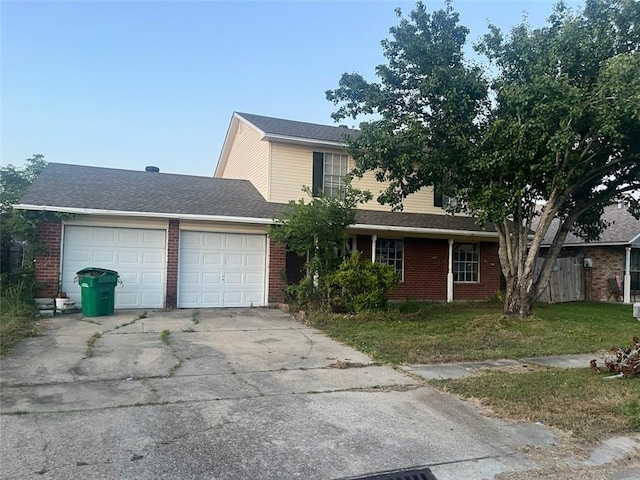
(187, 241)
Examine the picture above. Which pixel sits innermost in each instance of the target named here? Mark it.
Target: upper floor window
(442, 200)
(329, 172)
(466, 262)
(390, 251)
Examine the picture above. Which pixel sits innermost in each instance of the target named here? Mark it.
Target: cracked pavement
(236, 393)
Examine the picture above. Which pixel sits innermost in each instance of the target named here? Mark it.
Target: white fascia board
(634, 239)
(260, 131)
(591, 244)
(432, 231)
(303, 141)
(120, 213)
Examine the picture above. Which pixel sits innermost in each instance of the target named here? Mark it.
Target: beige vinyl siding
(419, 202)
(124, 222)
(248, 158)
(291, 169)
(199, 226)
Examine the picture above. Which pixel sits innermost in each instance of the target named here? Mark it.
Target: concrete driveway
(231, 394)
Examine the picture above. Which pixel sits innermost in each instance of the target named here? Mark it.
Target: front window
(335, 171)
(390, 252)
(635, 269)
(465, 262)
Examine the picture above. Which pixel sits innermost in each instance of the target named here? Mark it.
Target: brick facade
(425, 270)
(47, 264)
(173, 245)
(277, 271)
(607, 263)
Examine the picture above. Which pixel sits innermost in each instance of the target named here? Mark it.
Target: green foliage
(317, 227)
(552, 118)
(304, 294)
(17, 309)
(434, 332)
(165, 336)
(360, 286)
(17, 225)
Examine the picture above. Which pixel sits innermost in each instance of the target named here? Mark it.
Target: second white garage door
(221, 270)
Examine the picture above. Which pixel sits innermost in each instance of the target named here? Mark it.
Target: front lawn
(573, 400)
(412, 332)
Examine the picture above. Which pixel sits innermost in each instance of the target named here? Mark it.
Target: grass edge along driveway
(573, 400)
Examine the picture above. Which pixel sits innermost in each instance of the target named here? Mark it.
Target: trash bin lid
(96, 272)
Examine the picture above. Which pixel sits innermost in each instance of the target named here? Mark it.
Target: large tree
(548, 127)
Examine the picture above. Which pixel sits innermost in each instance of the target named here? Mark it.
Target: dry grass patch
(572, 400)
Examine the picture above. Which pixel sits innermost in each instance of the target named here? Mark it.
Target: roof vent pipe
(151, 168)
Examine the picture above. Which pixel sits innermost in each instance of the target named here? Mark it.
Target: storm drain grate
(420, 474)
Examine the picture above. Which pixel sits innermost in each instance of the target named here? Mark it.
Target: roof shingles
(65, 186)
(291, 128)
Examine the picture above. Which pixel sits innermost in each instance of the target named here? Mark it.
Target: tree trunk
(519, 299)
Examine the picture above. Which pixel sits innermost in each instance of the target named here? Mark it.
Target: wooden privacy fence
(566, 283)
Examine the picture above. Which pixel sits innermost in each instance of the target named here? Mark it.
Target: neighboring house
(189, 242)
(615, 254)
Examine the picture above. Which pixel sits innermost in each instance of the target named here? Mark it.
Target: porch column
(374, 238)
(450, 273)
(627, 276)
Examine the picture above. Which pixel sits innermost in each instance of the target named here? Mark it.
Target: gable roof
(278, 128)
(286, 131)
(624, 230)
(92, 190)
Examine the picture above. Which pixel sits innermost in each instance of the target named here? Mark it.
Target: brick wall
(47, 264)
(425, 270)
(490, 274)
(607, 263)
(277, 271)
(173, 244)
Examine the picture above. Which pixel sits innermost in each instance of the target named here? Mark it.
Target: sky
(128, 84)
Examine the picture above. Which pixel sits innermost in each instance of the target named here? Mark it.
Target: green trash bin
(98, 287)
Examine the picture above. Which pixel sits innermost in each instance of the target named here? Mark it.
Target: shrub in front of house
(359, 286)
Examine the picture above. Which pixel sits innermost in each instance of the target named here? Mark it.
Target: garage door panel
(232, 279)
(253, 260)
(212, 259)
(254, 279)
(129, 237)
(233, 260)
(103, 256)
(153, 258)
(212, 278)
(129, 257)
(231, 268)
(141, 267)
(211, 240)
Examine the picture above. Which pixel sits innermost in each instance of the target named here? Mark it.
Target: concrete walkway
(441, 371)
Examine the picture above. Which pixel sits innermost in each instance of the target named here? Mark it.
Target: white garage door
(138, 255)
(221, 270)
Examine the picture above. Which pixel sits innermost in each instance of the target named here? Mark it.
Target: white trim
(595, 244)
(121, 213)
(302, 141)
(450, 273)
(633, 240)
(627, 276)
(438, 231)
